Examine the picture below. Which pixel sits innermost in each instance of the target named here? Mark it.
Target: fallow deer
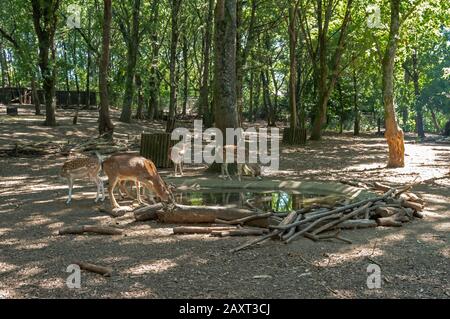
(135, 168)
(230, 148)
(176, 155)
(84, 167)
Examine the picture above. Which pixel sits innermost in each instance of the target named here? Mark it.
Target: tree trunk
(293, 65)
(106, 127)
(437, 127)
(66, 74)
(393, 134)
(88, 67)
(35, 95)
(185, 74)
(225, 65)
(325, 87)
(132, 52)
(154, 83)
(419, 109)
(242, 52)
(266, 98)
(45, 21)
(204, 89)
(175, 9)
(341, 112)
(356, 127)
(140, 98)
(3, 66)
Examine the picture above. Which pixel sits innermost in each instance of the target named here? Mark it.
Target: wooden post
(155, 147)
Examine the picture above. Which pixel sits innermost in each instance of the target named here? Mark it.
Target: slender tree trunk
(225, 107)
(185, 74)
(175, 9)
(75, 63)
(45, 21)
(66, 74)
(266, 98)
(132, 53)
(437, 127)
(250, 99)
(35, 95)
(325, 87)
(419, 109)
(356, 127)
(88, 67)
(106, 127)
(393, 134)
(140, 98)
(292, 29)
(2, 66)
(154, 82)
(204, 88)
(341, 112)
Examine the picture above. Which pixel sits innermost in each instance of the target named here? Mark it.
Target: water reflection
(267, 201)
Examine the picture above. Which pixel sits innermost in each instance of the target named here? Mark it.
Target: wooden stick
(334, 211)
(357, 223)
(239, 232)
(78, 230)
(416, 206)
(105, 271)
(312, 225)
(199, 230)
(243, 220)
(289, 218)
(343, 218)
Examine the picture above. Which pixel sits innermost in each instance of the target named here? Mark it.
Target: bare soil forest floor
(150, 262)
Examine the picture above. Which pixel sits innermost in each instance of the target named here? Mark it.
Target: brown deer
(230, 148)
(83, 167)
(135, 168)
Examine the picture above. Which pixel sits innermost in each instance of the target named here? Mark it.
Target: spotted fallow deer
(81, 168)
(232, 149)
(135, 168)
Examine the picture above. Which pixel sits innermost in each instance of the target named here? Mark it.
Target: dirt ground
(150, 262)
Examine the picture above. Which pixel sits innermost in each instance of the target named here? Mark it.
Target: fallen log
(78, 230)
(104, 271)
(381, 187)
(357, 223)
(416, 206)
(199, 229)
(385, 211)
(148, 212)
(414, 198)
(388, 222)
(243, 220)
(239, 232)
(312, 225)
(289, 218)
(341, 219)
(183, 214)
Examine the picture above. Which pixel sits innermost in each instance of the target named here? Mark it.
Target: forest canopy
(315, 63)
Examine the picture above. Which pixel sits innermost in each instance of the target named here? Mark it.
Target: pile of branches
(23, 149)
(66, 148)
(317, 222)
(391, 209)
(103, 146)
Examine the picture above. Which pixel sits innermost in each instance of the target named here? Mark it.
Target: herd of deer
(124, 167)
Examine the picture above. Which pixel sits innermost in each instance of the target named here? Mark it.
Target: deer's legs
(111, 187)
(70, 182)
